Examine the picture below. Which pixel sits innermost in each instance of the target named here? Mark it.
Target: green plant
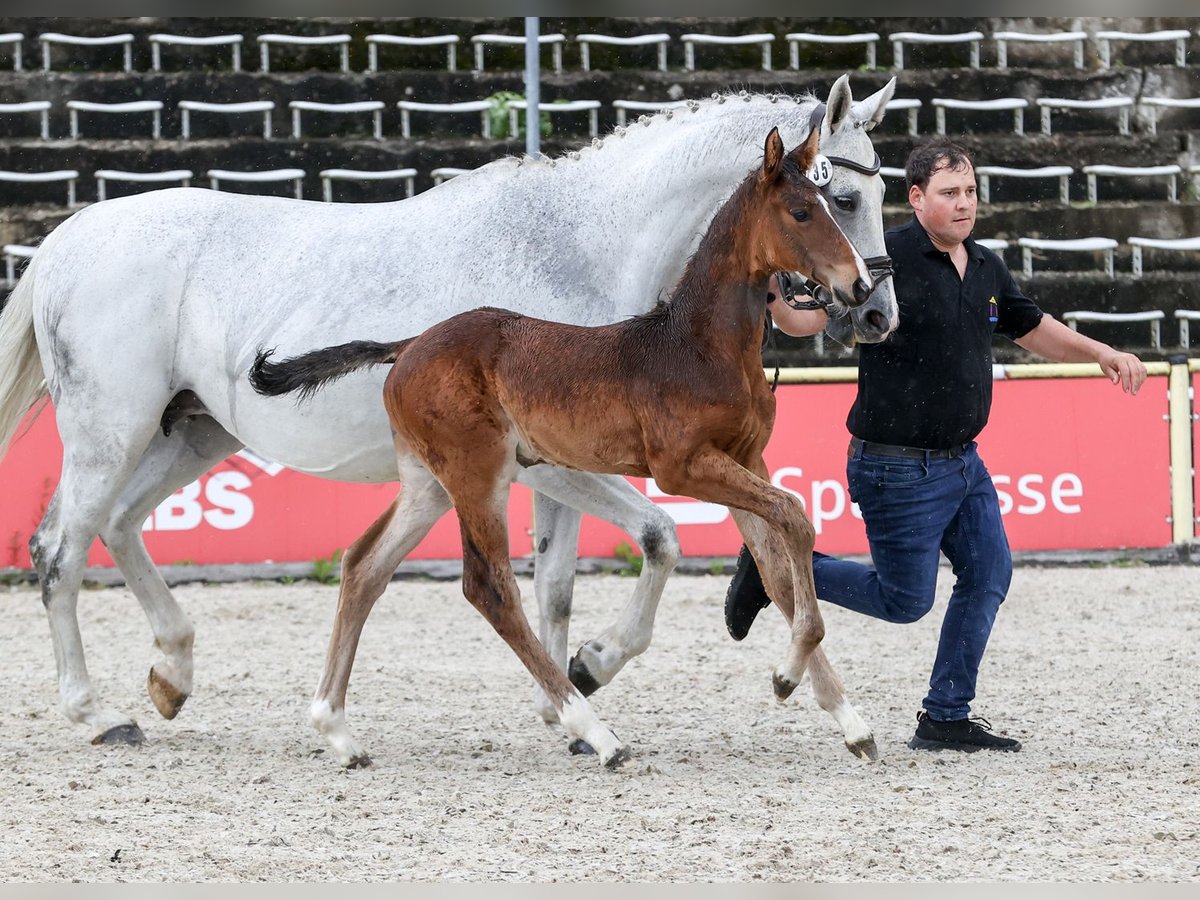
(328, 570)
(498, 116)
(633, 562)
(716, 566)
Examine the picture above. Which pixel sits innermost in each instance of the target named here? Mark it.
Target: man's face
(946, 208)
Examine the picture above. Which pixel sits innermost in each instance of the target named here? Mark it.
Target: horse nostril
(862, 291)
(877, 320)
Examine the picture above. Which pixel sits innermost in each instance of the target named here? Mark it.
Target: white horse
(140, 317)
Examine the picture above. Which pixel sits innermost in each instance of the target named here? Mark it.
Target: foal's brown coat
(677, 395)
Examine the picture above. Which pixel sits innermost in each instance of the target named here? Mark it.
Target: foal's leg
(489, 584)
(827, 687)
(709, 474)
(367, 568)
(194, 446)
(613, 499)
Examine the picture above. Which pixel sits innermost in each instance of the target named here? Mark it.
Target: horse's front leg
(615, 500)
(827, 687)
(556, 551)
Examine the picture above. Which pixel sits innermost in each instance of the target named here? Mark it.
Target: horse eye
(800, 215)
(846, 204)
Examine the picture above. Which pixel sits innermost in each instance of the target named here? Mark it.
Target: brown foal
(677, 394)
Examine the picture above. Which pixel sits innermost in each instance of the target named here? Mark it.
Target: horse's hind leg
(615, 500)
(194, 446)
(489, 584)
(367, 568)
(827, 687)
(556, 543)
(98, 459)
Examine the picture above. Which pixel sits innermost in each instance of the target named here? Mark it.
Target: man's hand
(1124, 369)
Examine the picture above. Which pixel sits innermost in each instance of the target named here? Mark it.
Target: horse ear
(805, 154)
(838, 106)
(871, 110)
(772, 156)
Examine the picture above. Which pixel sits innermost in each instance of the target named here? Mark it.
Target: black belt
(906, 452)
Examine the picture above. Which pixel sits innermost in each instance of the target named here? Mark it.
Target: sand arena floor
(1096, 670)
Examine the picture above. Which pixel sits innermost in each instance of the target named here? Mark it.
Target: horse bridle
(878, 267)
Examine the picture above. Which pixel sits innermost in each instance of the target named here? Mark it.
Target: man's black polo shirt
(930, 383)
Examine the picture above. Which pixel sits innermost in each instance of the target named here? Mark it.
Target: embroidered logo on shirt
(993, 310)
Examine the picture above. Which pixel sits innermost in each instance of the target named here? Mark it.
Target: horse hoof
(580, 747)
(618, 759)
(581, 677)
(783, 687)
(130, 735)
(362, 761)
(168, 699)
(864, 749)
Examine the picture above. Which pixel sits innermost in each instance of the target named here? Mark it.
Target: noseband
(878, 267)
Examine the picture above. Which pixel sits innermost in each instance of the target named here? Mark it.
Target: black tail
(308, 372)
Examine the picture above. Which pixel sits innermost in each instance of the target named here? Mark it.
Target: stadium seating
(658, 40)
(900, 38)
(328, 176)
(1091, 245)
(169, 176)
(591, 107)
(267, 176)
(14, 39)
(375, 41)
(341, 41)
(1154, 104)
(725, 40)
(1178, 37)
(187, 107)
(987, 173)
(1140, 244)
(12, 253)
(42, 107)
(133, 107)
(555, 41)
(1016, 104)
(408, 107)
(1121, 104)
(1153, 316)
(70, 176)
(796, 38)
(1004, 38)
(158, 41)
(1171, 172)
(52, 38)
(374, 107)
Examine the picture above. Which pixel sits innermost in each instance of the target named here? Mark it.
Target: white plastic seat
(1002, 39)
(342, 41)
(725, 40)
(624, 107)
(13, 252)
(103, 176)
(157, 41)
(328, 176)
(591, 107)
(54, 37)
(187, 107)
(30, 106)
(1185, 317)
(1178, 37)
(374, 41)
(1138, 244)
(1062, 173)
(1194, 174)
(15, 38)
(996, 245)
(216, 176)
(70, 176)
(641, 40)
(1153, 316)
(900, 38)
(1121, 104)
(1016, 104)
(130, 108)
(512, 40)
(407, 107)
(796, 38)
(1133, 172)
(911, 106)
(444, 173)
(1154, 104)
(375, 107)
(1074, 245)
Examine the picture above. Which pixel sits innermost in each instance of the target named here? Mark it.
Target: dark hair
(929, 156)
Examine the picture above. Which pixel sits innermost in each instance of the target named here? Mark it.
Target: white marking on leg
(332, 724)
(581, 721)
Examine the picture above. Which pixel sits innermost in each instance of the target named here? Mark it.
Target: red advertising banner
(1077, 465)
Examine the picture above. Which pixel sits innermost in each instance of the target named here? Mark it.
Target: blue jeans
(912, 509)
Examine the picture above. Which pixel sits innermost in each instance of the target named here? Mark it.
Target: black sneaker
(745, 597)
(967, 735)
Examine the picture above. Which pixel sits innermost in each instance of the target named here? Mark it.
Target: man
(923, 397)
